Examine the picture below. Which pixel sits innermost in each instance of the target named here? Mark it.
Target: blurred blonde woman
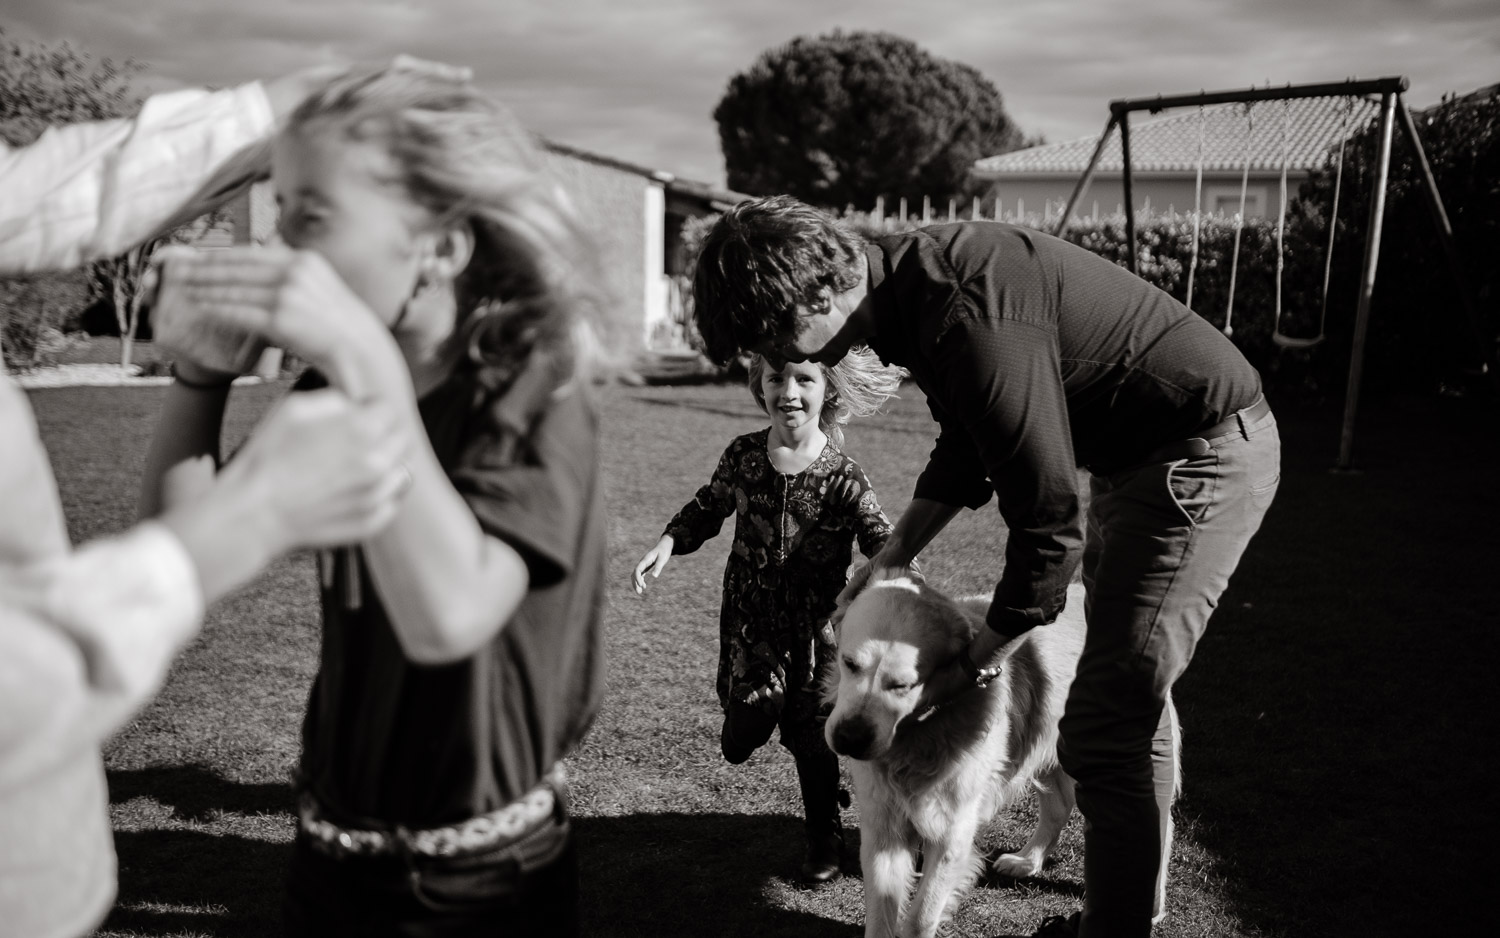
(431, 263)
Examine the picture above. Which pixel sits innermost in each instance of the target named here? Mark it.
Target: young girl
(799, 503)
(435, 266)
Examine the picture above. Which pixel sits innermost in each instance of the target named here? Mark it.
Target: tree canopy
(42, 85)
(847, 117)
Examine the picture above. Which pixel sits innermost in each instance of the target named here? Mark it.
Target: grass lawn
(1339, 720)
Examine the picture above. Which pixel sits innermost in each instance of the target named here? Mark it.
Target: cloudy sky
(638, 79)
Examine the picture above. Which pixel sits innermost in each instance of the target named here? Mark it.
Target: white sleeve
(91, 190)
(86, 640)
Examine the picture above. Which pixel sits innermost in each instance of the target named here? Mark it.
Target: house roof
(1170, 143)
(718, 199)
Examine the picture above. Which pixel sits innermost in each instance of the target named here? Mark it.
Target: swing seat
(1288, 341)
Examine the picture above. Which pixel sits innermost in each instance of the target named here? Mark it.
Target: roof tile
(1170, 143)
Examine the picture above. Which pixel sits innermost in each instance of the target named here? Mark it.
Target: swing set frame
(1393, 111)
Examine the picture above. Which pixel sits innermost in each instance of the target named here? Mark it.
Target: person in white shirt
(86, 636)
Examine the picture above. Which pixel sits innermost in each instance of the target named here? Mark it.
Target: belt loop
(1239, 417)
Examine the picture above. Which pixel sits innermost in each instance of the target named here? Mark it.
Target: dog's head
(893, 636)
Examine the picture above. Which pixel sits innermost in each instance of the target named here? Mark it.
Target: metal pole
(1125, 181)
(1381, 86)
(1450, 246)
(1367, 281)
(1083, 181)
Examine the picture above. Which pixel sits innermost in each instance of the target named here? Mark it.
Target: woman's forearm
(184, 452)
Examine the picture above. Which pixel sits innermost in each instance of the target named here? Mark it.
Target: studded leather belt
(479, 834)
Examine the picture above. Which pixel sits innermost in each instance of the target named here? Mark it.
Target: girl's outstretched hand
(655, 560)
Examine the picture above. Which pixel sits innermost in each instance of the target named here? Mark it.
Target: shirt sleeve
(86, 639)
(700, 519)
(31, 518)
(89, 190)
(954, 475)
(871, 527)
(532, 492)
(1003, 388)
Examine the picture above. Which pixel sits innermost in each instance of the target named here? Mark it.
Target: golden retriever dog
(928, 777)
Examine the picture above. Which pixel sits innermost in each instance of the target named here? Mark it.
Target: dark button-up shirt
(1037, 357)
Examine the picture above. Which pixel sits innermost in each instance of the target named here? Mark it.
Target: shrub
(36, 311)
(1420, 337)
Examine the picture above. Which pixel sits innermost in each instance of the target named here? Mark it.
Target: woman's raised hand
(319, 471)
(325, 470)
(210, 302)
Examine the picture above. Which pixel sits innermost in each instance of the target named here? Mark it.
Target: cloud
(638, 80)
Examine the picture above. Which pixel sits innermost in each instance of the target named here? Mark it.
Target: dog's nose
(852, 738)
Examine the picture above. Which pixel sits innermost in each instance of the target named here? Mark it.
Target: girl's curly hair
(858, 384)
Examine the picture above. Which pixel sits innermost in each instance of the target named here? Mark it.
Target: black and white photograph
(526, 469)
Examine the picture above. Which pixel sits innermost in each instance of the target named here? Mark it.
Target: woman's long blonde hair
(533, 285)
(858, 384)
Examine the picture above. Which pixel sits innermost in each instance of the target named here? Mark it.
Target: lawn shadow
(674, 874)
(1344, 681)
(197, 793)
(201, 881)
(192, 882)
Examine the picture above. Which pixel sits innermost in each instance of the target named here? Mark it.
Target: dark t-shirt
(1037, 357)
(388, 741)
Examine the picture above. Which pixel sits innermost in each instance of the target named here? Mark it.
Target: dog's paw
(1014, 865)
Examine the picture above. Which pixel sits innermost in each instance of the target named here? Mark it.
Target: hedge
(1419, 339)
(36, 310)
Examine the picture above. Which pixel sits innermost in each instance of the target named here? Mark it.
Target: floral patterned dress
(790, 558)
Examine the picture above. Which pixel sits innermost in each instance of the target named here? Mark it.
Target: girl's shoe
(825, 852)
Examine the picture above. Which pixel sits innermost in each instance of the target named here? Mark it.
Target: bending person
(1037, 358)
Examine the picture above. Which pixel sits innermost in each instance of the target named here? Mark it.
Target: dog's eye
(850, 666)
(899, 688)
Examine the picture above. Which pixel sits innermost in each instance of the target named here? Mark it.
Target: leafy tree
(1420, 336)
(847, 117)
(42, 85)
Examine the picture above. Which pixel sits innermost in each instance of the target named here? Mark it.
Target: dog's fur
(928, 777)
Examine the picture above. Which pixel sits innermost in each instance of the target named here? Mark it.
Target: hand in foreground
(329, 471)
(209, 301)
(319, 471)
(655, 560)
